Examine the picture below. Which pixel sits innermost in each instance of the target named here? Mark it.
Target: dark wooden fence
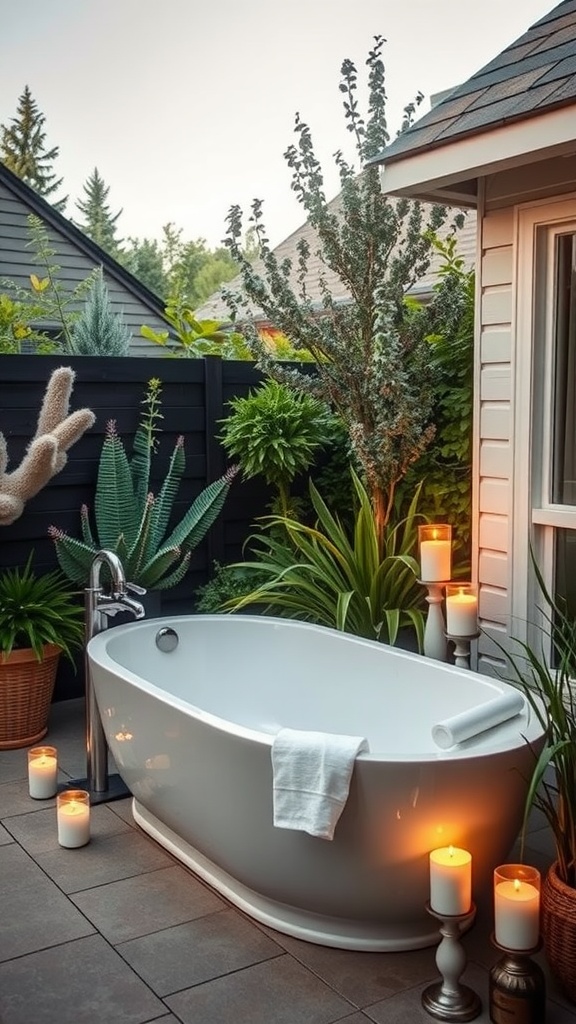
(195, 394)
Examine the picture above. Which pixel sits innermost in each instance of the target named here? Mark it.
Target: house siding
(497, 394)
(17, 262)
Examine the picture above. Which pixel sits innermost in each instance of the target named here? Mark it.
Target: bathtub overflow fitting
(167, 639)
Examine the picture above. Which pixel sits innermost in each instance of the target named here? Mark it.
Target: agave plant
(321, 574)
(133, 522)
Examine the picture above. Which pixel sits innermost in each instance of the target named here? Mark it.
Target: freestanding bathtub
(191, 732)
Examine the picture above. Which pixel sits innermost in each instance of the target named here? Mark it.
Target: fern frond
(114, 503)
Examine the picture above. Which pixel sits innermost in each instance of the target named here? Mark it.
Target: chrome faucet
(98, 606)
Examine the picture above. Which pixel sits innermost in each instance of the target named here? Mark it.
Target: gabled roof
(52, 218)
(533, 77)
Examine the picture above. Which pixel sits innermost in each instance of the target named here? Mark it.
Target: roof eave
(443, 173)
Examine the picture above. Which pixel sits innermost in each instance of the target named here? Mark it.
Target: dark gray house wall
(76, 254)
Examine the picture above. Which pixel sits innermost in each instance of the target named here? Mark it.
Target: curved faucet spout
(111, 560)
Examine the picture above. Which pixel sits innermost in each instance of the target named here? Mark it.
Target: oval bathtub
(191, 732)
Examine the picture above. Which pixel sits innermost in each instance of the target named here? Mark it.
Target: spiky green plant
(38, 609)
(133, 522)
(325, 575)
(552, 696)
(99, 331)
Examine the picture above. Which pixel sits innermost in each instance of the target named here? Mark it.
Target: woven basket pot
(559, 930)
(26, 688)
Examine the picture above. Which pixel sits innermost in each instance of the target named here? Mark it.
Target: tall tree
(372, 369)
(100, 223)
(194, 271)
(23, 150)
(143, 258)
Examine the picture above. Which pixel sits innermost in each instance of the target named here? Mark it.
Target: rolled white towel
(473, 721)
(312, 773)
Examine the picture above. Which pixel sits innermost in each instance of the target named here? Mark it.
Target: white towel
(312, 772)
(476, 720)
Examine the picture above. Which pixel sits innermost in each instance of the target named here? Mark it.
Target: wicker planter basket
(559, 930)
(26, 688)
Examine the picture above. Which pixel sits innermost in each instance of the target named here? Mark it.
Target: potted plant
(133, 522)
(40, 618)
(547, 677)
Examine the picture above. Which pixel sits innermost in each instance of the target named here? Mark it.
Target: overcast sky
(187, 107)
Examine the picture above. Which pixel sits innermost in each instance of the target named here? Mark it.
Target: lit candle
(73, 813)
(461, 610)
(516, 906)
(435, 552)
(450, 880)
(42, 772)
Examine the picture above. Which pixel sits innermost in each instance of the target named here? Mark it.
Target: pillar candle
(461, 610)
(42, 772)
(450, 880)
(435, 542)
(516, 906)
(73, 812)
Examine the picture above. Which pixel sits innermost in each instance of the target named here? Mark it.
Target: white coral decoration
(56, 432)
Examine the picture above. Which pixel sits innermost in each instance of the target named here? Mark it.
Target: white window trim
(529, 507)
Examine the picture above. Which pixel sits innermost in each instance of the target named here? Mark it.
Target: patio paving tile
(362, 978)
(15, 799)
(35, 914)
(104, 859)
(279, 991)
(82, 982)
(5, 836)
(197, 951)
(38, 832)
(123, 809)
(133, 907)
(13, 765)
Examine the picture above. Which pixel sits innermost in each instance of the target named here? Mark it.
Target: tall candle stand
(462, 648)
(435, 630)
(448, 999)
(517, 987)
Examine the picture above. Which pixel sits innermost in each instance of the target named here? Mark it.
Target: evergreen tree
(98, 331)
(143, 258)
(23, 150)
(100, 223)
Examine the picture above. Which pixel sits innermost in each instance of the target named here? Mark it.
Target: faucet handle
(134, 588)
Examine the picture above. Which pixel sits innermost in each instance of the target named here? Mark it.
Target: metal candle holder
(435, 631)
(462, 648)
(517, 987)
(448, 999)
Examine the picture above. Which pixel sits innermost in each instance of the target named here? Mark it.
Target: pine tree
(98, 331)
(23, 150)
(100, 223)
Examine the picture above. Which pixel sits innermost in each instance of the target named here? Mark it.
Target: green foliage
(39, 609)
(144, 258)
(16, 319)
(194, 271)
(227, 582)
(23, 150)
(99, 223)
(130, 520)
(275, 432)
(333, 577)
(551, 694)
(371, 369)
(98, 331)
(195, 338)
(446, 466)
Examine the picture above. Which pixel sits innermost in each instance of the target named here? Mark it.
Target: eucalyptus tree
(373, 364)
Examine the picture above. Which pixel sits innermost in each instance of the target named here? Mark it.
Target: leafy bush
(325, 575)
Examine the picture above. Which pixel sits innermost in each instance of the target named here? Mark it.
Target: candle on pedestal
(435, 540)
(73, 815)
(461, 610)
(450, 881)
(516, 906)
(42, 772)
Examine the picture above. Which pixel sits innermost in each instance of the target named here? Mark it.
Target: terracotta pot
(26, 688)
(559, 930)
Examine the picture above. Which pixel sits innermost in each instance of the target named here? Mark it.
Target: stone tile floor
(118, 932)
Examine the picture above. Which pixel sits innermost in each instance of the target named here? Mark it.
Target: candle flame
(517, 885)
(450, 851)
(434, 534)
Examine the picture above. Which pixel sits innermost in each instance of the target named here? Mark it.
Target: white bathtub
(191, 733)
